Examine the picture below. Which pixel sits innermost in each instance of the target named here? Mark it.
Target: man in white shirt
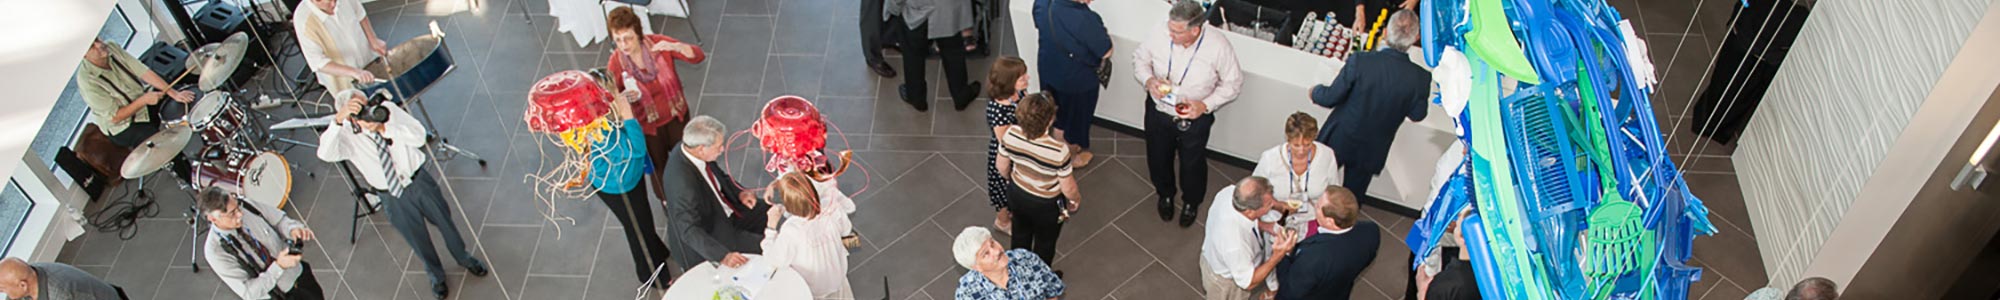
(1240, 251)
(384, 145)
(1188, 74)
(338, 41)
(249, 248)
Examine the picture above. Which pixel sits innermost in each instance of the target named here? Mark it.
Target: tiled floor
(918, 183)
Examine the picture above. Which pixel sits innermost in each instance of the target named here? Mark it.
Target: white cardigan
(812, 246)
(1273, 165)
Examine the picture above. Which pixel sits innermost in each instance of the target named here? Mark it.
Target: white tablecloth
(700, 283)
(584, 19)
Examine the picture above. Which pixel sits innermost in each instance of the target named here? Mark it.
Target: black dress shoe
(1166, 208)
(1188, 214)
(440, 290)
(920, 104)
(477, 268)
(882, 69)
(961, 103)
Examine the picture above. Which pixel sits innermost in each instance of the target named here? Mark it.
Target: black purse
(1103, 66)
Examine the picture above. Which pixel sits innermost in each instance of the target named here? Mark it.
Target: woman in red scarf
(642, 67)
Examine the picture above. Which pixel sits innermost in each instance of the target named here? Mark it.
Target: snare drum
(218, 118)
(263, 177)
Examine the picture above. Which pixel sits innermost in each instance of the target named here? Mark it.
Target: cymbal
(216, 62)
(149, 156)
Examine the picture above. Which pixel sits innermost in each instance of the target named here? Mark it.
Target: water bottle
(630, 83)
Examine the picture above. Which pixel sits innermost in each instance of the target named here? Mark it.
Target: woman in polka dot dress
(1007, 81)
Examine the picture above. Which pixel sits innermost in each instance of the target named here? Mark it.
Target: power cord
(123, 216)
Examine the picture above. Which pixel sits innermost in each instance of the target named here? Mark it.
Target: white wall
(1837, 124)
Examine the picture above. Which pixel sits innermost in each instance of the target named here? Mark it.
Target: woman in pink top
(647, 60)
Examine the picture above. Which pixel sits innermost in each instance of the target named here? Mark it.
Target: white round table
(700, 283)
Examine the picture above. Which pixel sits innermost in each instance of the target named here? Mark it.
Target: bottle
(630, 84)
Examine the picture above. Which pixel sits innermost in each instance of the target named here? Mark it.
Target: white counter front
(1277, 81)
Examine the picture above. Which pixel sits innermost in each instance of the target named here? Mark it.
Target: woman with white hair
(1000, 274)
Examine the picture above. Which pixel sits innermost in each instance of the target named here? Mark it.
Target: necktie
(1263, 245)
(261, 255)
(388, 166)
(716, 186)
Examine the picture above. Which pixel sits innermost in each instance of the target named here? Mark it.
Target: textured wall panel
(1853, 79)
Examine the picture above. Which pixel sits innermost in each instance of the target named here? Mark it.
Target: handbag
(1103, 66)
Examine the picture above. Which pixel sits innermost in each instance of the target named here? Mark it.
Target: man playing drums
(338, 42)
(114, 85)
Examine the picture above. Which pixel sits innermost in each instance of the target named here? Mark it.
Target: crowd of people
(1291, 230)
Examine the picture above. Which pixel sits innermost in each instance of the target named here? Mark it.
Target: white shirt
(343, 28)
(701, 167)
(1276, 165)
(812, 247)
(1231, 244)
(1211, 74)
(340, 142)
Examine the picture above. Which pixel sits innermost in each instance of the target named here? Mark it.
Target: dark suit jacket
(697, 228)
(1370, 98)
(1325, 266)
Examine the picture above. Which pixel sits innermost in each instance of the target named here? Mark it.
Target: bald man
(52, 281)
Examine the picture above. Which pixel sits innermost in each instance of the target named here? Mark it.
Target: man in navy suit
(1370, 98)
(1325, 265)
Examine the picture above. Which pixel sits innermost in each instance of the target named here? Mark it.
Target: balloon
(565, 100)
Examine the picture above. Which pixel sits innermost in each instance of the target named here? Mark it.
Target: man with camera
(384, 146)
(255, 249)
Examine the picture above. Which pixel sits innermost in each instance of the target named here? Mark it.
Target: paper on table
(752, 276)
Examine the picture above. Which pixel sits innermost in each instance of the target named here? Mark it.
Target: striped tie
(395, 187)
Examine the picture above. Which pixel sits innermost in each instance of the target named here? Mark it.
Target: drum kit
(236, 151)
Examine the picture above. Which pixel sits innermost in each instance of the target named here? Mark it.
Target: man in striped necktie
(383, 144)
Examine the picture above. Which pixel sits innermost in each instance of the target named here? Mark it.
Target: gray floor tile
(569, 250)
(792, 75)
(804, 26)
(1727, 289)
(1156, 282)
(881, 219)
(737, 61)
(752, 7)
(1105, 260)
(549, 287)
(508, 260)
(909, 263)
(1178, 248)
(928, 143)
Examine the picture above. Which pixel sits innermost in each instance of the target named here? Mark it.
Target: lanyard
(1298, 187)
(1191, 55)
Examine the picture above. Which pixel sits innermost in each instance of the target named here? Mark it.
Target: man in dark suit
(1325, 265)
(709, 217)
(1370, 98)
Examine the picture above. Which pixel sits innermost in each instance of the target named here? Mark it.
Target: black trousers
(1037, 222)
(1076, 107)
(871, 31)
(951, 49)
(306, 287)
(1356, 176)
(423, 203)
(1164, 141)
(635, 216)
(1450, 256)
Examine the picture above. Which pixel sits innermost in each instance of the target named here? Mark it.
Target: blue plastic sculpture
(1577, 198)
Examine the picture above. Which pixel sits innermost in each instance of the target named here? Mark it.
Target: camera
(372, 110)
(297, 247)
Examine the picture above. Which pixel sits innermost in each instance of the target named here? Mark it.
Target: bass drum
(264, 177)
